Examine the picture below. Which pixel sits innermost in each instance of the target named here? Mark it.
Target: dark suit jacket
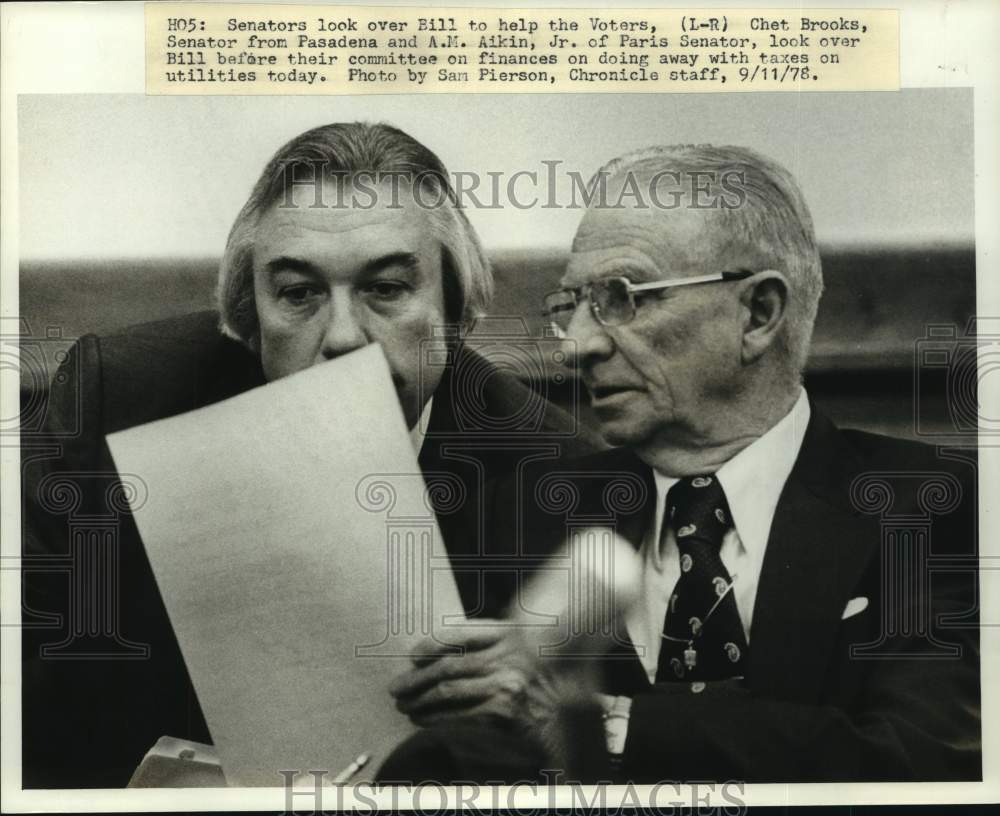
(891, 693)
(103, 674)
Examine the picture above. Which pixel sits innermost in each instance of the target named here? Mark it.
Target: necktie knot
(698, 511)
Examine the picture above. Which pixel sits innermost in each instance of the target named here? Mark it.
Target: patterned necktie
(703, 637)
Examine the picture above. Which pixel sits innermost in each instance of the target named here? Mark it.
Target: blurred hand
(503, 670)
(490, 677)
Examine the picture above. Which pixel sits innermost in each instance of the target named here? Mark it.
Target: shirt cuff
(616, 716)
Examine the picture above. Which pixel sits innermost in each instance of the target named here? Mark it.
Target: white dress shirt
(753, 481)
(418, 431)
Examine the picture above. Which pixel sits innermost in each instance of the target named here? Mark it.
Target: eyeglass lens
(611, 301)
(609, 296)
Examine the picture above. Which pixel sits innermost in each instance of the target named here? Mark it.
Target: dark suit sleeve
(67, 442)
(915, 719)
(103, 677)
(55, 456)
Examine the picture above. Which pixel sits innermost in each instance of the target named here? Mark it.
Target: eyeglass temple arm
(715, 276)
(738, 274)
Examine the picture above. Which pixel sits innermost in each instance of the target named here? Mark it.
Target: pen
(360, 761)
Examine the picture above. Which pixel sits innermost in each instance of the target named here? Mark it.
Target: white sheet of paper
(271, 523)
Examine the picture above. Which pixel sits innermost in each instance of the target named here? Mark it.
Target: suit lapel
(443, 425)
(622, 671)
(230, 370)
(817, 551)
(440, 424)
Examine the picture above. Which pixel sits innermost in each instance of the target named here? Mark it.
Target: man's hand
(489, 677)
(504, 669)
(500, 675)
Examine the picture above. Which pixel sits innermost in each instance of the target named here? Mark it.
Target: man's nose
(344, 330)
(585, 340)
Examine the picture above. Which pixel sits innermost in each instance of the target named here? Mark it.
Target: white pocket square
(855, 606)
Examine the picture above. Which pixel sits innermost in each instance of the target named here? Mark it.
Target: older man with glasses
(775, 630)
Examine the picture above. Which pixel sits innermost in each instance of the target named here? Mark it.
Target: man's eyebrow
(288, 263)
(635, 271)
(404, 259)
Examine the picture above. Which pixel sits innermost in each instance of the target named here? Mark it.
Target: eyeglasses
(612, 299)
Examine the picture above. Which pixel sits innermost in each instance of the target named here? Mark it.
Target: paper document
(298, 559)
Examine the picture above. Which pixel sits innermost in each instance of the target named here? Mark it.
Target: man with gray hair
(352, 235)
(780, 632)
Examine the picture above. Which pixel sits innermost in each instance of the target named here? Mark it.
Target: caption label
(196, 48)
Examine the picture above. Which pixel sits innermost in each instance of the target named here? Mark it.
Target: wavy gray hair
(345, 150)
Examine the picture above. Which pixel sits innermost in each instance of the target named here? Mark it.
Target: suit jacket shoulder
(479, 399)
(862, 474)
(155, 370)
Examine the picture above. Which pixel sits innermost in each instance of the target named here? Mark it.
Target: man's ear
(765, 302)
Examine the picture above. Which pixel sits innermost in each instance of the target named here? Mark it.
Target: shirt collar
(754, 478)
(419, 431)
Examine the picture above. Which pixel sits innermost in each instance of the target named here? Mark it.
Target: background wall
(140, 177)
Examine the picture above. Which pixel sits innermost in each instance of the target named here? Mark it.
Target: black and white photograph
(559, 443)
